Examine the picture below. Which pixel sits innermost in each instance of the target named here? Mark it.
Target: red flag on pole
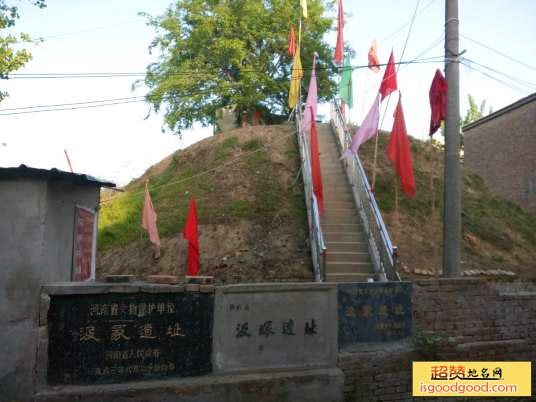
(190, 234)
(315, 165)
(339, 50)
(438, 101)
(148, 219)
(389, 78)
(398, 151)
(292, 44)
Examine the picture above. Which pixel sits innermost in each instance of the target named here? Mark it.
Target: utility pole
(452, 217)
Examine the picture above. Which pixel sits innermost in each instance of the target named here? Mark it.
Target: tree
(474, 112)
(11, 59)
(232, 53)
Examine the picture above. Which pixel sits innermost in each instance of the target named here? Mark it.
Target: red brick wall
(466, 320)
(503, 152)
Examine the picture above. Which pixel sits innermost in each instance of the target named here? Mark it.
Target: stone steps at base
(340, 267)
(343, 236)
(350, 246)
(356, 277)
(347, 256)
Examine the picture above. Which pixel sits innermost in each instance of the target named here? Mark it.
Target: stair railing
(316, 238)
(381, 249)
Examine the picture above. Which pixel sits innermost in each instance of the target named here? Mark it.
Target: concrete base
(323, 385)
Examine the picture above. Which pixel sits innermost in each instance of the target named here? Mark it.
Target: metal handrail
(381, 249)
(316, 238)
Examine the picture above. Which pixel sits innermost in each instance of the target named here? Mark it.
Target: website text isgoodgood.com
(499, 389)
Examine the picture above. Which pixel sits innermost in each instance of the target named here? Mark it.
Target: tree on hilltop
(232, 53)
(11, 59)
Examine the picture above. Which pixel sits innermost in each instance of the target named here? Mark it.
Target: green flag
(345, 88)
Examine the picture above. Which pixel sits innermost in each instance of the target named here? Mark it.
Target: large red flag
(389, 78)
(292, 43)
(398, 151)
(315, 165)
(339, 50)
(190, 234)
(438, 101)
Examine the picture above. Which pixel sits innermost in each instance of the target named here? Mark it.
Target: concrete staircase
(347, 259)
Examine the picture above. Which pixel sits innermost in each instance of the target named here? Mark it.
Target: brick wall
(454, 320)
(502, 151)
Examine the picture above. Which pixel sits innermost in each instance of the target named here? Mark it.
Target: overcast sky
(118, 142)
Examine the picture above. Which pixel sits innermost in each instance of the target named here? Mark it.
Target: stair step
(343, 227)
(346, 256)
(341, 220)
(341, 267)
(356, 277)
(342, 236)
(333, 205)
(334, 212)
(348, 246)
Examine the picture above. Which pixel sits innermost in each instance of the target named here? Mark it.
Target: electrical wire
(509, 85)
(511, 77)
(41, 38)
(205, 172)
(498, 52)
(190, 73)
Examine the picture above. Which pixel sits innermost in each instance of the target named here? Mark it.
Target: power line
(71, 108)
(205, 172)
(511, 77)
(70, 104)
(407, 22)
(189, 73)
(89, 30)
(134, 99)
(498, 52)
(509, 85)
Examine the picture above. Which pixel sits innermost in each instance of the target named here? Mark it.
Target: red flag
(190, 234)
(292, 44)
(148, 219)
(373, 61)
(438, 101)
(315, 166)
(398, 151)
(339, 50)
(389, 78)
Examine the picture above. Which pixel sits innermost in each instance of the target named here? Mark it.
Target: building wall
(503, 152)
(36, 240)
(454, 320)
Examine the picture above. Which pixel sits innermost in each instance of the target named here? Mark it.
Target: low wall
(101, 338)
(454, 320)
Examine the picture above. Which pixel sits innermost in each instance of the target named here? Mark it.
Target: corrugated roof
(52, 174)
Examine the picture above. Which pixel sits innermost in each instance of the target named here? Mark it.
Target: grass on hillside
(241, 182)
(496, 232)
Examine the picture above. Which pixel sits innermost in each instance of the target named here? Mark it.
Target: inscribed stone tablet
(275, 326)
(108, 338)
(374, 312)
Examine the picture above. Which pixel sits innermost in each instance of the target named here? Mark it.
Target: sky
(120, 142)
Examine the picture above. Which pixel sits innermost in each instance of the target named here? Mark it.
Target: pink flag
(315, 166)
(148, 219)
(312, 100)
(368, 129)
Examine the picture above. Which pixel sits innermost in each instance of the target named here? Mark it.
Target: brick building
(501, 148)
